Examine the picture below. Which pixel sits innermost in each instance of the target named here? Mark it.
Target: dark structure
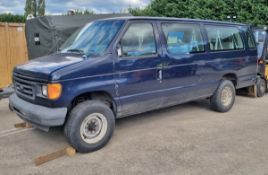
(46, 34)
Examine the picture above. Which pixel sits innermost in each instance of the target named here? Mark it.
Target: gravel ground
(186, 139)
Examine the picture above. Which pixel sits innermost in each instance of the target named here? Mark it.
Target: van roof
(177, 19)
(265, 28)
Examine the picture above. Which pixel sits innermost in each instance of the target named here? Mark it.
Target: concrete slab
(185, 139)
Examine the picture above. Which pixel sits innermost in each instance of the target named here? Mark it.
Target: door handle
(160, 75)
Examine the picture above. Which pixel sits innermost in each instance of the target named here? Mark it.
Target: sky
(62, 6)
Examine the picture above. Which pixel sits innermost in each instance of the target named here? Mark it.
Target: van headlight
(52, 91)
(44, 90)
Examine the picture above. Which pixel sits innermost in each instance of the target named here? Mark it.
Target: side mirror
(119, 51)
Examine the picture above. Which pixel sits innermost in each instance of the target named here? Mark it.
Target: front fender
(74, 88)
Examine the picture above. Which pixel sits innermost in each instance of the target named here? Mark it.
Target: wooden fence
(13, 50)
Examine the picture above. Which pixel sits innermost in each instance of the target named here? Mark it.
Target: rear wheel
(224, 97)
(90, 126)
(261, 87)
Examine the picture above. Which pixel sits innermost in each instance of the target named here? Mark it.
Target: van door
(138, 76)
(184, 50)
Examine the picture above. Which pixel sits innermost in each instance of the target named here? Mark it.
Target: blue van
(119, 67)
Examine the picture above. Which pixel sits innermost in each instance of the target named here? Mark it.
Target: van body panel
(44, 66)
(137, 80)
(86, 77)
(140, 83)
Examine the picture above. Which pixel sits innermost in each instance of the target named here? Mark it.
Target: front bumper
(40, 116)
(6, 92)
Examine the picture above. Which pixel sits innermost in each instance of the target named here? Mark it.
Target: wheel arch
(232, 77)
(95, 95)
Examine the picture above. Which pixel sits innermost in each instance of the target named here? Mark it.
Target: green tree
(41, 7)
(28, 7)
(88, 12)
(83, 12)
(34, 8)
(12, 18)
(246, 11)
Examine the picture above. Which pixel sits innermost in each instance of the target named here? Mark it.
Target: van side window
(183, 38)
(251, 43)
(139, 40)
(224, 38)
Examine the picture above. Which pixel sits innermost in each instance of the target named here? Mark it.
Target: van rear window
(183, 38)
(224, 38)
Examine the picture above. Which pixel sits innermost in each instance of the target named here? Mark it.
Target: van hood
(41, 68)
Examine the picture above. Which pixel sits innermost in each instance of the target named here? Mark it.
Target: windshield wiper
(92, 53)
(76, 50)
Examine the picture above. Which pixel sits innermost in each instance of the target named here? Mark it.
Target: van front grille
(24, 87)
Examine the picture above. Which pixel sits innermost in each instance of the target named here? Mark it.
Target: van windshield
(93, 39)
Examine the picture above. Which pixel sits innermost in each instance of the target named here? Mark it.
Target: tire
(90, 126)
(261, 87)
(224, 97)
(10, 107)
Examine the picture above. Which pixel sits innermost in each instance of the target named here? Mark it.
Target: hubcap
(226, 96)
(93, 128)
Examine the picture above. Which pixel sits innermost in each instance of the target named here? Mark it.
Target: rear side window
(139, 40)
(183, 38)
(224, 38)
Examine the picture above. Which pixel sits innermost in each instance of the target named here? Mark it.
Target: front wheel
(224, 97)
(90, 126)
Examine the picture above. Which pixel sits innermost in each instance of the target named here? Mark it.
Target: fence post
(8, 57)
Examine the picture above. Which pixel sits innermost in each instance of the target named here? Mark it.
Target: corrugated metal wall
(13, 50)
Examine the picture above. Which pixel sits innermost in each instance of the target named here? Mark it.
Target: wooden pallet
(23, 125)
(67, 151)
(249, 91)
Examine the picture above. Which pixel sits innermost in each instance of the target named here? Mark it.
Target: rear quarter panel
(241, 63)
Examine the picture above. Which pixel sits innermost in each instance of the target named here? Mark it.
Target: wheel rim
(226, 96)
(93, 128)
